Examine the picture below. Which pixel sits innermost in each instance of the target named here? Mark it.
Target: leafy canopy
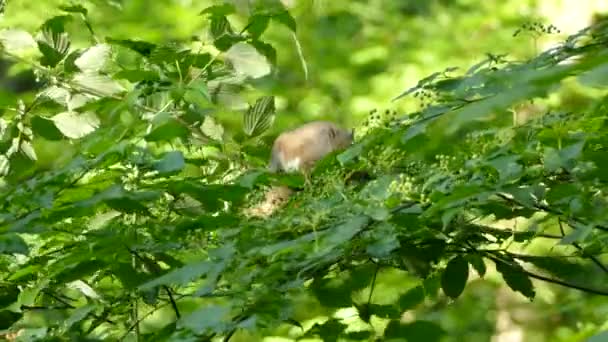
(123, 195)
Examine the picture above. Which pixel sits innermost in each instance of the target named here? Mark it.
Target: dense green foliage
(127, 174)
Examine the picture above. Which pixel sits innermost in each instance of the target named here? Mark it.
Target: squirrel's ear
(332, 133)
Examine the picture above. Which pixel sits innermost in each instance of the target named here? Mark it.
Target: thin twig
(552, 280)
(593, 258)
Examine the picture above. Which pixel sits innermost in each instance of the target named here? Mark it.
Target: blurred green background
(358, 56)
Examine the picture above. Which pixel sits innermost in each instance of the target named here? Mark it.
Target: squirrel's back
(304, 145)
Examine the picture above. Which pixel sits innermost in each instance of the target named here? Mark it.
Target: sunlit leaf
(76, 125)
(94, 58)
(259, 117)
(247, 61)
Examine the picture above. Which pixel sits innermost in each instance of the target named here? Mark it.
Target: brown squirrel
(301, 148)
(297, 151)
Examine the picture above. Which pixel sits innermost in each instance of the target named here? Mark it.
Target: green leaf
(98, 84)
(455, 276)
(137, 75)
(247, 61)
(329, 331)
(76, 125)
(45, 128)
(209, 319)
(411, 298)
(257, 25)
(595, 77)
(259, 117)
(507, 166)
(13, 244)
(94, 58)
(74, 9)
(332, 292)
(181, 276)
(416, 331)
(17, 42)
(265, 49)
(516, 278)
(384, 240)
(579, 234)
(385, 311)
(286, 19)
(171, 162)
(141, 47)
(212, 129)
(478, 263)
(197, 93)
(168, 131)
(350, 153)
(78, 270)
(601, 337)
(220, 26)
(78, 315)
(219, 10)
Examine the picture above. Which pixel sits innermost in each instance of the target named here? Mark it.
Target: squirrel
(301, 148)
(297, 151)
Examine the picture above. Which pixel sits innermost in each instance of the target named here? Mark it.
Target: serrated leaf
(257, 25)
(97, 84)
(265, 49)
(27, 149)
(478, 264)
(13, 244)
(136, 75)
(17, 41)
(139, 46)
(76, 125)
(220, 26)
(286, 19)
(247, 61)
(579, 234)
(181, 276)
(259, 117)
(384, 311)
(210, 319)
(516, 278)
(78, 315)
(94, 58)
(168, 131)
(54, 42)
(197, 93)
(45, 128)
(223, 9)
(454, 277)
(74, 9)
(411, 298)
(212, 129)
(171, 162)
(416, 331)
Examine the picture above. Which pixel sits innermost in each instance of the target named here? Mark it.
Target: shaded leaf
(416, 331)
(170, 163)
(516, 278)
(13, 244)
(411, 298)
(455, 276)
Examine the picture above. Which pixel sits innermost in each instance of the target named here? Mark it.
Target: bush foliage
(124, 197)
